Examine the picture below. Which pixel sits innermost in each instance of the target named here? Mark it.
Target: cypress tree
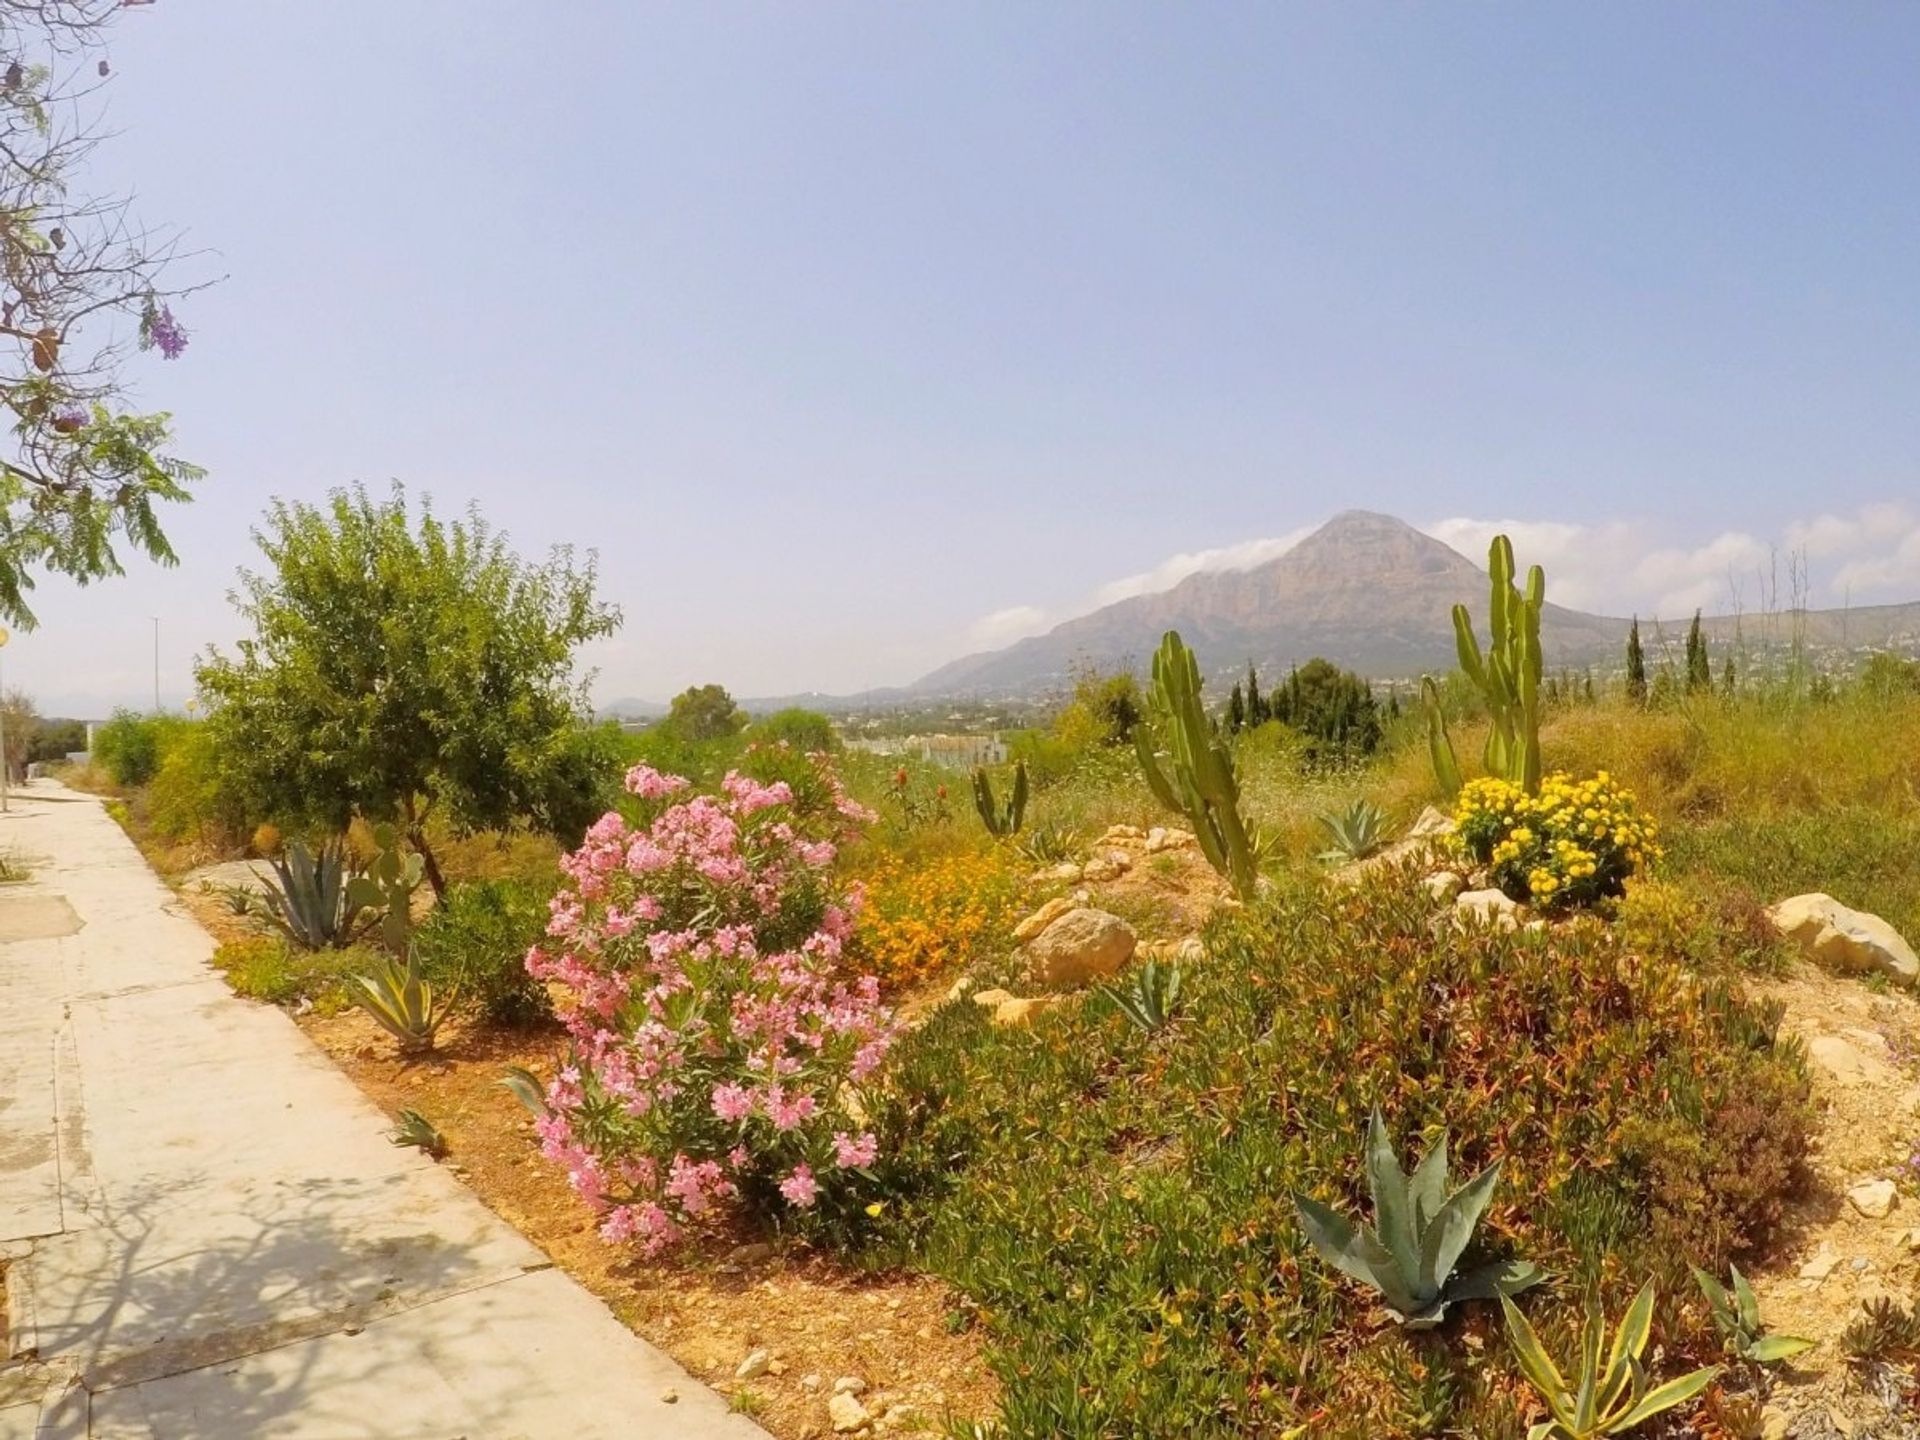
(1256, 704)
(1699, 665)
(1236, 710)
(1636, 666)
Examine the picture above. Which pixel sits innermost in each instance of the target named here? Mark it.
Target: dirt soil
(1863, 1048)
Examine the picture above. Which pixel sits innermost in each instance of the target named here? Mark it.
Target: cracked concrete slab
(213, 1237)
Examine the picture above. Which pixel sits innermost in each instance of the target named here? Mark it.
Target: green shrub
(128, 746)
(190, 796)
(807, 731)
(266, 967)
(477, 940)
(1116, 1204)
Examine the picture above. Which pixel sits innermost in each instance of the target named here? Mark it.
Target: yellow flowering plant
(936, 915)
(1573, 844)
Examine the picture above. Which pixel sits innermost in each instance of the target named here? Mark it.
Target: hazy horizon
(859, 338)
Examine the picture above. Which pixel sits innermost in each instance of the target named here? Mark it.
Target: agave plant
(525, 1087)
(1355, 832)
(1736, 1315)
(1420, 1232)
(1050, 843)
(404, 1003)
(1609, 1395)
(1151, 997)
(306, 900)
(416, 1130)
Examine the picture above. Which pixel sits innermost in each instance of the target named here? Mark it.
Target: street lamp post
(6, 767)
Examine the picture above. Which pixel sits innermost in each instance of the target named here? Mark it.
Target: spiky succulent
(306, 900)
(416, 1130)
(404, 1002)
(1609, 1394)
(1419, 1235)
(525, 1087)
(1354, 833)
(1001, 819)
(1736, 1315)
(1151, 995)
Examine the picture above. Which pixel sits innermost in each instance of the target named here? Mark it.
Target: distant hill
(1367, 591)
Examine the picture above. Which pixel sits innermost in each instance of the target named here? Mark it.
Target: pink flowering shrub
(716, 1044)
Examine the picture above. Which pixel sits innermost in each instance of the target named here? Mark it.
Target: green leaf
(1666, 1397)
(1446, 1238)
(1354, 1251)
(1428, 1188)
(1535, 1363)
(1501, 1277)
(1392, 1206)
(1748, 1301)
(1769, 1349)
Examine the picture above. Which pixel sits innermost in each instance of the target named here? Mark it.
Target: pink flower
(800, 1187)
(854, 1154)
(732, 1102)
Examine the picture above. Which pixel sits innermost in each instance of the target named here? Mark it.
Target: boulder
(991, 999)
(1488, 907)
(1108, 865)
(1850, 941)
(846, 1413)
(1041, 918)
(1431, 825)
(1081, 945)
(1444, 886)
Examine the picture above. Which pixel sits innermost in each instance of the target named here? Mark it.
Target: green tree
(806, 730)
(704, 712)
(1727, 682)
(1236, 710)
(1636, 665)
(407, 671)
(1333, 708)
(81, 284)
(1699, 663)
(1257, 710)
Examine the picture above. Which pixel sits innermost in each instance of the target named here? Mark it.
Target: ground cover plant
(1084, 1178)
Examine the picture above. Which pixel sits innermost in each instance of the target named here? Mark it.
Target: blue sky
(855, 335)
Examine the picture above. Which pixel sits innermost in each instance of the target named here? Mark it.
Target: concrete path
(206, 1233)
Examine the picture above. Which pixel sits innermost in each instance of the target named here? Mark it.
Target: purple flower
(160, 331)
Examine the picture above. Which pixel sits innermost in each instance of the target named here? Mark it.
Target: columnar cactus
(1196, 777)
(1508, 676)
(1001, 820)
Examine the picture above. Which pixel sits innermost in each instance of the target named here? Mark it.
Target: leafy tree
(1727, 682)
(1333, 708)
(23, 728)
(806, 730)
(409, 671)
(1109, 700)
(704, 712)
(1236, 710)
(1699, 664)
(81, 285)
(1636, 665)
(128, 746)
(57, 739)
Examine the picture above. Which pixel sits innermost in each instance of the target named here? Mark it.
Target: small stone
(1487, 907)
(991, 999)
(1820, 1266)
(670, 1396)
(847, 1413)
(1860, 1265)
(1431, 825)
(1066, 871)
(750, 1254)
(811, 1382)
(754, 1366)
(776, 1367)
(1773, 1423)
(960, 988)
(1444, 886)
(849, 1385)
(1874, 1199)
(1020, 1011)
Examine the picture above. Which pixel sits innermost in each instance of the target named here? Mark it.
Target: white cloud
(1623, 567)
(1003, 627)
(1175, 568)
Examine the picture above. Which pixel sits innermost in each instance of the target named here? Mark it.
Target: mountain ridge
(1366, 590)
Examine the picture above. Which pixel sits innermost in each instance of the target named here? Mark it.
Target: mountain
(1367, 591)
